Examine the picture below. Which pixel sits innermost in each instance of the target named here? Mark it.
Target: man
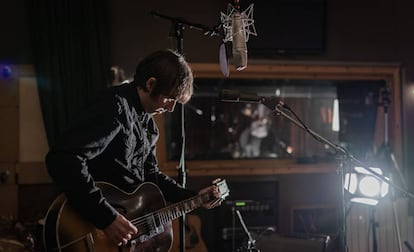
(114, 141)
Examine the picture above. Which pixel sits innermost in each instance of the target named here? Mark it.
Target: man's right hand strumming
(120, 231)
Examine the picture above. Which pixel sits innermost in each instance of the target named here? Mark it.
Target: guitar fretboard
(152, 223)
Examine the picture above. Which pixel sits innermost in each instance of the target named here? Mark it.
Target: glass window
(217, 130)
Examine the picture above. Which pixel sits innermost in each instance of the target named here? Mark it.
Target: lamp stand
(385, 152)
(374, 225)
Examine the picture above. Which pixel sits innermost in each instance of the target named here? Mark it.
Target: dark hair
(173, 74)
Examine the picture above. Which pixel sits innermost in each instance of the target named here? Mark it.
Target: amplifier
(250, 205)
(229, 233)
(256, 213)
(294, 243)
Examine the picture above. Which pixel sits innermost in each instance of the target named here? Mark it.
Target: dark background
(355, 31)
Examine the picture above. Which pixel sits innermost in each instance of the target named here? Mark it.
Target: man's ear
(150, 84)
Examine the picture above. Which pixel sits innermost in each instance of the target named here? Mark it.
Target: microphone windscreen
(224, 65)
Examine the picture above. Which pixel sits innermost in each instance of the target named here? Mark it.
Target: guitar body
(66, 231)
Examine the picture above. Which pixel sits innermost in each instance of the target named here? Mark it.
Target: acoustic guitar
(65, 230)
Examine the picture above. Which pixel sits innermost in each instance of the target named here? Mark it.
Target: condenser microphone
(238, 96)
(239, 46)
(237, 28)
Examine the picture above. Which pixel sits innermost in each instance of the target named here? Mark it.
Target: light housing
(364, 187)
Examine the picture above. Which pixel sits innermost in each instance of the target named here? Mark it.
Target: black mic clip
(271, 102)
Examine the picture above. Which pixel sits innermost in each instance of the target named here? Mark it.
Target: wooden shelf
(247, 167)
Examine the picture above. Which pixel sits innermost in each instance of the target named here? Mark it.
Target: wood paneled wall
(23, 141)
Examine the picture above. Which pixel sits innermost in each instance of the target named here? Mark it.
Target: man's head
(164, 77)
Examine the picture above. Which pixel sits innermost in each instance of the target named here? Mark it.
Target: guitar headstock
(222, 187)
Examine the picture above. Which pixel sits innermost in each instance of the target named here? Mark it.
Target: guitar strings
(139, 219)
(162, 214)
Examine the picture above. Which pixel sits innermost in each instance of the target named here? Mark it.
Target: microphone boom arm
(279, 109)
(205, 29)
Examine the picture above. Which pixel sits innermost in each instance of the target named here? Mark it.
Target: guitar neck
(164, 215)
(153, 223)
(177, 210)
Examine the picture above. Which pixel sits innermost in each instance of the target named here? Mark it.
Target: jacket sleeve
(67, 162)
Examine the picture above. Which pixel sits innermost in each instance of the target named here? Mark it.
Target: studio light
(364, 187)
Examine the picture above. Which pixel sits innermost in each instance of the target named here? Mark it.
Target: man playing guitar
(115, 141)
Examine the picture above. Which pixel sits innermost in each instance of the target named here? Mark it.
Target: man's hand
(120, 231)
(214, 195)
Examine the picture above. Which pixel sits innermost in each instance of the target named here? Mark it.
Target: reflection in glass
(217, 130)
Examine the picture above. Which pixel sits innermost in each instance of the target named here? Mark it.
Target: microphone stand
(177, 32)
(251, 242)
(178, 20)
(280, 108)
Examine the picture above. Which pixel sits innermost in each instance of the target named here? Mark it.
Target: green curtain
(70, 43)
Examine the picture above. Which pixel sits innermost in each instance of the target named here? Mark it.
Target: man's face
(157, 104)
(163, 104)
